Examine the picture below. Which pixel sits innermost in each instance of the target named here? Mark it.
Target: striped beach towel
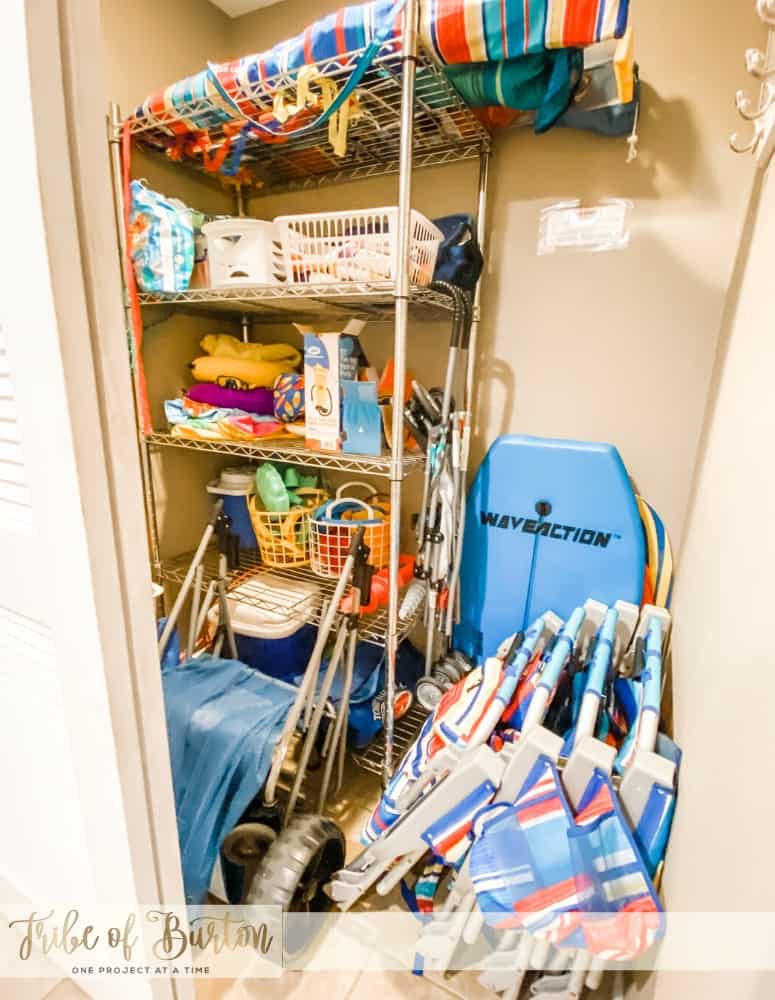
(466, 31)
(248, 88)
(454, 31)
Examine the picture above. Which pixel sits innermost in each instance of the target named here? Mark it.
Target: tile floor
(351, 812)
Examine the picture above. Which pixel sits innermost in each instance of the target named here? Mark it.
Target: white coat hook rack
(761, 113)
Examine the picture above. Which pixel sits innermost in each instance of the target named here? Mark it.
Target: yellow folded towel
(223, 345)
(238, 373)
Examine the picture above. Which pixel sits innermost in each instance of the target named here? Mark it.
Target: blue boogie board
(549, 523)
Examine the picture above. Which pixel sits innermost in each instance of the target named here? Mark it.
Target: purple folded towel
(251, 400)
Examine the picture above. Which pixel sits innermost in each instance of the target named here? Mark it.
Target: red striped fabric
(544, 898)
(451, 31)
(580, 22)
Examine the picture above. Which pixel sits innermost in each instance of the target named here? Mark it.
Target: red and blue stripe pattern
(451, 724)
(466, 31)
(624, 916)
(386, 811)
(466, 703)
(520, 864)
(450, 836)
(574, 881)
(516, 710)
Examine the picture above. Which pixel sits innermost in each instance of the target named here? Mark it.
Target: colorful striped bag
(473, 31)
(575, 881)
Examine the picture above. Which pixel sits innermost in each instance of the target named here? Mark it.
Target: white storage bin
(355, 246)
(243, 251)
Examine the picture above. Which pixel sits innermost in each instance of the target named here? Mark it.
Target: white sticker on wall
(567, 226)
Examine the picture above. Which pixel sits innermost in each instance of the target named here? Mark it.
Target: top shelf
(445, 129)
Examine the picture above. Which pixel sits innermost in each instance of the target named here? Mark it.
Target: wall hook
(748, 148)
(756, 64)
(766, 11)
(746, 107)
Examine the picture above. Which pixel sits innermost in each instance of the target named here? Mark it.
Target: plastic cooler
(271, 617)
(234, 487)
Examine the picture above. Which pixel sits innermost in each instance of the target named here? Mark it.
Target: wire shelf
(273, 303)
(445, 129)
(405, 732)
(292, 450)
(276, 599)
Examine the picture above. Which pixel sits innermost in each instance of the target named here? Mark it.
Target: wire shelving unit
(407, 116)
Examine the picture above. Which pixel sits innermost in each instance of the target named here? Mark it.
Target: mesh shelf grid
(291, 450)
(405, 731)
(445, 129)
(275, 303)
(372, 629)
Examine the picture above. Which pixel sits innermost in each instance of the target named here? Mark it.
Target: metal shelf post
(146, 472)
(408, 67)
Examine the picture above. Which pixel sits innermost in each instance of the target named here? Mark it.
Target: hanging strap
(356, 76)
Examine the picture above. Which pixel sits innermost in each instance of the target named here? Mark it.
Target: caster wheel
(446, 673)
(428, 693)
(293, 873)
(463, 664)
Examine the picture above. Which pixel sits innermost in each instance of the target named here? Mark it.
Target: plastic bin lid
(269, 606)
(235, 481)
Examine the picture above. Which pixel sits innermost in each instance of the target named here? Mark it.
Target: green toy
(278, 490)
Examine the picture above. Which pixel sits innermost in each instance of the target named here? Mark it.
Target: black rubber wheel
(462, 662)
(293, 873)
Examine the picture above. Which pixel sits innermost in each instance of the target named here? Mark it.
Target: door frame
(69, 109)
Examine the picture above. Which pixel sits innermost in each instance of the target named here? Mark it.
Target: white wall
(720, 855)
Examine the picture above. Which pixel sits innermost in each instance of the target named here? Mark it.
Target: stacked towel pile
(234, 394)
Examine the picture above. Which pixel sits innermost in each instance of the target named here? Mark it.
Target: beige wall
(148, 44)
(151, 43)
(616, 346)
(722, 649)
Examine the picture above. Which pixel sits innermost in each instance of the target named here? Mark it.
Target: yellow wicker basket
(283, 537)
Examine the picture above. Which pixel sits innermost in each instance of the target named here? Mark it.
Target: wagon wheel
(294, 871)
(246, 846)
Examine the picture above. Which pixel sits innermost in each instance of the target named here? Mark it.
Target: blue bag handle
(356, 76)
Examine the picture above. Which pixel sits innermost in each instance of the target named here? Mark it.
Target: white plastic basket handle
(360, 484)
(354, 500)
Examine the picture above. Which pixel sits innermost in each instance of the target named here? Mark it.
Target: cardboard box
(329, 360)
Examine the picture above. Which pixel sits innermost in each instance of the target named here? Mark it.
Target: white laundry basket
(243, 251)
(355, 246)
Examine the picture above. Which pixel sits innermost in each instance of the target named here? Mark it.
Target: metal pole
(481, 231)
(409, 67)
(468, 397)
(114, 142)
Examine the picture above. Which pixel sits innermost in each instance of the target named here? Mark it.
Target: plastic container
(271, 618)
(355, 246)
(235, 487)
(283, 536)
(243, 251)
(333, 525)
